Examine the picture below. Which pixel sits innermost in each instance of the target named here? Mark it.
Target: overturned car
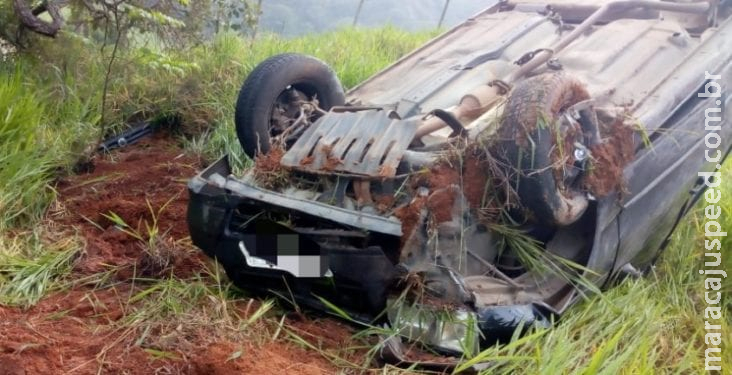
(485, 181)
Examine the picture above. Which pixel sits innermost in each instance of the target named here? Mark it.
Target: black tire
(527, 146)
(267, 82)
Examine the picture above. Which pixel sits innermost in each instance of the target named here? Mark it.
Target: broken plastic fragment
(452, 331)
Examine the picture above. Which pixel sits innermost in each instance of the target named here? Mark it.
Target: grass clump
(24, 168)
(164, 314)
(30, 268)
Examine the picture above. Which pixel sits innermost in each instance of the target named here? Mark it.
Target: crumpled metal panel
(449, 330)
(391, 226)
(365, 143)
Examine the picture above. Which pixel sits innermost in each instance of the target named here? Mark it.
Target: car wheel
(528, 147)
(273, 96)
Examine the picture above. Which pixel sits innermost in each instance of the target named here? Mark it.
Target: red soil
(416, 354)
(475, 179)
(610, 158)
(140, 184)
(65, 333)
(77, 332)
(409, 216)
(331, 164)
(475, 176)
(443, 175)
(267, 168)
(269, 162)
(440, 204)
(307, 160)
(82, 331)
(384, 203)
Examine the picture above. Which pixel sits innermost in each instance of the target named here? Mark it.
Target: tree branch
(43, 7)
(29, 17)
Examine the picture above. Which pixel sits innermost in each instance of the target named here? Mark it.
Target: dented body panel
(397, 191)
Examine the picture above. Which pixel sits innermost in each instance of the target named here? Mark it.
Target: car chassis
(580, 122)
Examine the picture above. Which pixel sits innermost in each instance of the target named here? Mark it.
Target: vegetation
(50, 116)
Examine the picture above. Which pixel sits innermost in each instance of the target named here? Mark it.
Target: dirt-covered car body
(659, 68)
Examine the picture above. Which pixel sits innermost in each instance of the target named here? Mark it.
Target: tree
(88, 15)
(29, 17)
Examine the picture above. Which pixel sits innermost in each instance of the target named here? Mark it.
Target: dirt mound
(144, 186)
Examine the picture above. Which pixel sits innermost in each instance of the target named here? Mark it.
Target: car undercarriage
(481, 184)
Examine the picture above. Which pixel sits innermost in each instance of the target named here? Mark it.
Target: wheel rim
(294, 109)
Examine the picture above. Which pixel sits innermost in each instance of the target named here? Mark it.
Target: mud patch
(307, 160)
(331, 164)
(234, 358)
(80, 332)
(409, 215)
(70, 332)
(145, 186)
(268, 171)
(440, 204)
(472, 174)
(610, 158)
(443, 175)
(384, 203)
(231, 357)
(476, 180)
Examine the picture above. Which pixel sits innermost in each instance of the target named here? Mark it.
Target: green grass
(30, 267)
(24, 189)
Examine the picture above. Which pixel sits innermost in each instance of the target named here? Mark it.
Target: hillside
(299, 17)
